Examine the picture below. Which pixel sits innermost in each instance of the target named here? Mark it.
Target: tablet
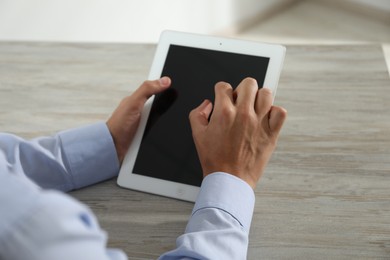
(162, 158)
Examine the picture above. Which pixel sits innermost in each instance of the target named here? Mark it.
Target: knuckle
(250, 80)
(149, 84)
(222, 86)
(227, 112)
(191, 114)
(248, 87)
(243, 111)
(266, 91)
(146, 83)
(245, 116)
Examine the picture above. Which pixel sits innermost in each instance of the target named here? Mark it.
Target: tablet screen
(167, 150)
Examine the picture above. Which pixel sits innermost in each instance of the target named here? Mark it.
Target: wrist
(229, 193)
(118, 148)
(250, 178)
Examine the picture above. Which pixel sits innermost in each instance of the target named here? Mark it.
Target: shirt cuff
(91, 154)
(228, 193)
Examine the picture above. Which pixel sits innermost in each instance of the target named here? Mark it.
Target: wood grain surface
(326, 192)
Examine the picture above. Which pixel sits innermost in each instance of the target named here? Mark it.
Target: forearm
(220, 222)
(90, 153)
(40, 224)
(66, 161)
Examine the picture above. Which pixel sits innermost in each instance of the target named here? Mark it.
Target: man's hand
(123, 123)
(242, 132)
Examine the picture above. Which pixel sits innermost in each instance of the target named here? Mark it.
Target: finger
(263, 102)
(246, 94)
(223, 96)
(199, 116)
(277, 116)
(151, 87)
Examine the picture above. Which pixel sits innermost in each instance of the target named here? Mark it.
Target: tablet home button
(180, 192)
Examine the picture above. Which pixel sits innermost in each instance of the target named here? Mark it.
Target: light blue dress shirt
(38, 221)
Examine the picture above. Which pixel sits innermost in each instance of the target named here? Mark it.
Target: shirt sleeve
(45, 224)
(51, 225)
(220, 221)
(69, 160)
(41, 224)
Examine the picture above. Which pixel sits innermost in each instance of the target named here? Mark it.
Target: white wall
(383, 5)
(121, 20)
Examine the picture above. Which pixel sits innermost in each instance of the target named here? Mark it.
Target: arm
(220, 221)
(79, 157)
(238, 139)
(69, 160)
(41, 224)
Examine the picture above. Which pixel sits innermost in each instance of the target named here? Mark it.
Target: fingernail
(164, 81)
(204, 103)
(208, 102)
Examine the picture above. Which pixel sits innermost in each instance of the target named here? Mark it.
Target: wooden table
(326, 192)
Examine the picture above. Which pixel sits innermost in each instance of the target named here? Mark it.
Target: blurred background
(279, 21)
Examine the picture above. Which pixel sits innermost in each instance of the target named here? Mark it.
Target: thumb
(151, 87)
(277, 116)
(200, 115)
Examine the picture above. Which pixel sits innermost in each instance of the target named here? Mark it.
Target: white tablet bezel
(275, 53)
